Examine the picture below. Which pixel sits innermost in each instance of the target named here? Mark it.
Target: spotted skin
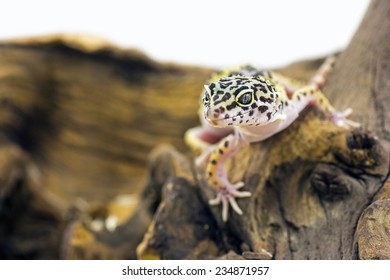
(247, 105)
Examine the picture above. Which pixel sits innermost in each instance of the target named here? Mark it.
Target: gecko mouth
(220, 120)
(242, 118)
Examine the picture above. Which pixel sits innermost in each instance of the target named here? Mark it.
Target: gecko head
(241, 101)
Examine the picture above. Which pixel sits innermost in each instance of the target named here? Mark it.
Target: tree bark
(84, 115)
(360, 79)
(78, 120)
(313, 186)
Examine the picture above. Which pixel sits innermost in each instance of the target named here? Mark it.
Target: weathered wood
(89, 113)
(363, 72)
(309, 186)
(31, 220)
(82, 115)
(311, 183)
(360, 79)
(86, 114)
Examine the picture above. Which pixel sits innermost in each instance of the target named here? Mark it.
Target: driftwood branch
(313, 182)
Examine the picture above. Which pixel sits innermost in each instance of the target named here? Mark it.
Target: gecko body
(249, 105)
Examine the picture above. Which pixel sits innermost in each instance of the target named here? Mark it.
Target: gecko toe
(238, 185)
(340, 119)
(215, 201)
(234, 205)
(241, 194)
(225, 208)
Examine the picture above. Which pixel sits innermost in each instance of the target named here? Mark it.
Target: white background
(202, 32)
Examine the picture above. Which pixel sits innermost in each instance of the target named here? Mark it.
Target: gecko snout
(213, 116)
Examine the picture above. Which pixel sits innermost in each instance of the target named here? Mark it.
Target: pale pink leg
(226, 191)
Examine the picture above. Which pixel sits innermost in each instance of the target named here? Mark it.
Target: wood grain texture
(360, 79)
(85, 114)
(79, 117)
(317, 190)
(89, 116)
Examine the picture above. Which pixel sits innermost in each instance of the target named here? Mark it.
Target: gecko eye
(245, 98)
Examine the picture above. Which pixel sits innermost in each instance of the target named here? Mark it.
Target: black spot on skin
(232, 106)
(241, 116)
(269, 115)
(227, 116)
(247, 121)
(305, 93)
(230, 124)
(213, 162)
(226, 96)
(240, 121)
(251, 113)
(271, 95)
(225, 82)
(226, 144)
(299, 97)
(265, 100)
(286, 103)
(234, 119)
(263, 108)
(223, 85)
(254, 105)
(221, 109)
(216, 110)
(210, 174)
(255, 95)
(246, 108)
(220, 151)
(262, 89)
(215, 97)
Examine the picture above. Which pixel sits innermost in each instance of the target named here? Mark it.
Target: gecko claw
(227, 196)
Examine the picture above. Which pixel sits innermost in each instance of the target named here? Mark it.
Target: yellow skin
(249, 105)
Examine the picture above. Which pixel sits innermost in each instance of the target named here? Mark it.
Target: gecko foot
(340, 119)
(228, 196)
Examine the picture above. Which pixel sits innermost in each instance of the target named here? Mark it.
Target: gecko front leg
(217, 177)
